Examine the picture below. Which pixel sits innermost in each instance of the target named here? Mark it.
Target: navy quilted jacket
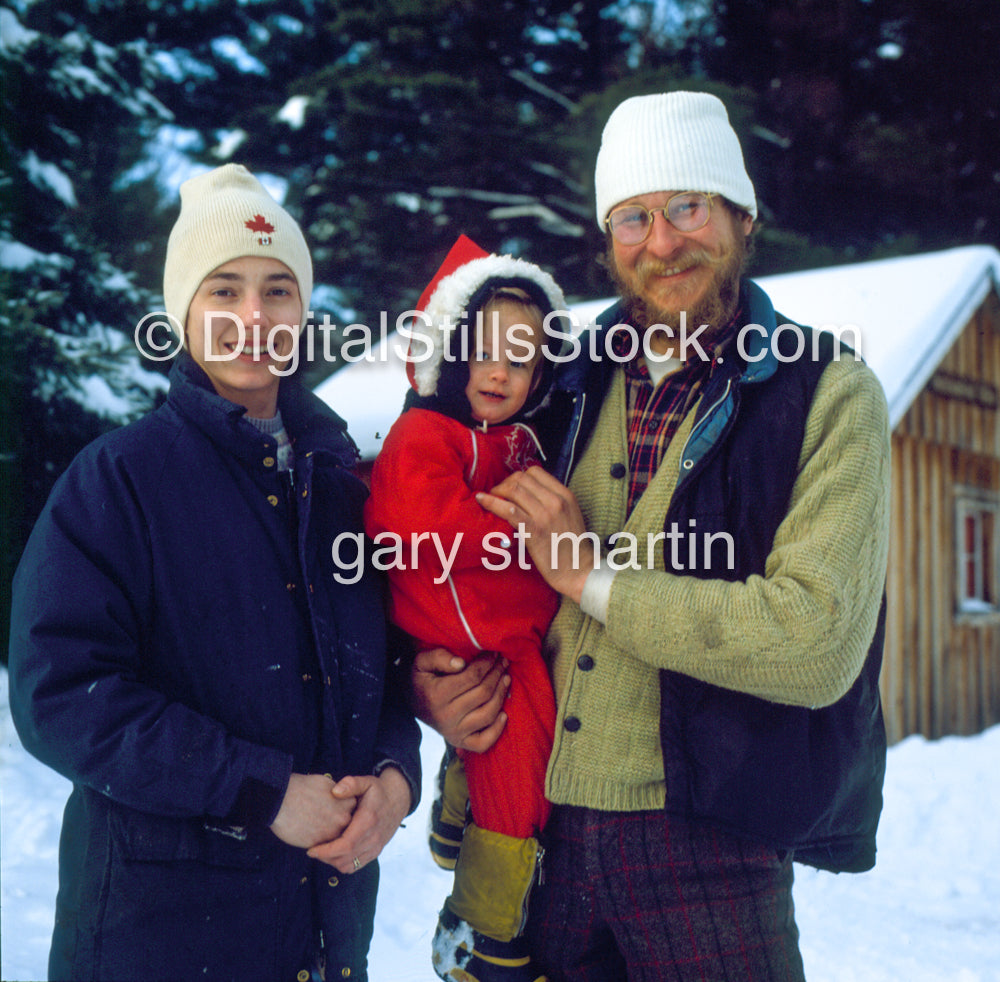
(179, 647)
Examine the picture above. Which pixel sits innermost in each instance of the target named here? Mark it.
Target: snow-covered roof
(908, 311)
(903, 314)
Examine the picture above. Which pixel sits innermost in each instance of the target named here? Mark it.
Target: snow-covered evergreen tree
(73, 111)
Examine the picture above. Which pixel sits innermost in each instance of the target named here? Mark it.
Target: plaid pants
(649, 898)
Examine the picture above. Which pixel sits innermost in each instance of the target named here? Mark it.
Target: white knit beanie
(226, 214)
(673, 141)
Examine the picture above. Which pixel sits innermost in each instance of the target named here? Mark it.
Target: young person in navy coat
(182, 652)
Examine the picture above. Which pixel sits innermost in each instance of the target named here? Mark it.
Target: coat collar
(311, 424)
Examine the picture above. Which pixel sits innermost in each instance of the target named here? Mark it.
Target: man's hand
(310, 813)
(536, 500)
(463, 702)
(382, 804)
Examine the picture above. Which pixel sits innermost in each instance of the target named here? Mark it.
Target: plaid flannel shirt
(655, 412)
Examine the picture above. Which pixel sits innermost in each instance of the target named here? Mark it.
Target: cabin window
(978, 552)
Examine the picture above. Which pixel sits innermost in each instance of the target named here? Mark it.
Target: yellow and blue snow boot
(449, 810)
(479, 932)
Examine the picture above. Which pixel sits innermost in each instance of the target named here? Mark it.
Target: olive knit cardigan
(798, 635)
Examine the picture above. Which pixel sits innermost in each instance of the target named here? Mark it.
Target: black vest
(808, 780)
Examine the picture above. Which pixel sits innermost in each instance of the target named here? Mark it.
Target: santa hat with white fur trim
(450, 301)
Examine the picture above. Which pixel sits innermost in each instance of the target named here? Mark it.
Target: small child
(461, 432)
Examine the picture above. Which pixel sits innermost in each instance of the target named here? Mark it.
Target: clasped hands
(344, 823)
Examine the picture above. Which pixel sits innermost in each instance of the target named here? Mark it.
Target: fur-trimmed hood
(443, 331)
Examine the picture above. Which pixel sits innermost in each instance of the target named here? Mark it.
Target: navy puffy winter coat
(179, 647)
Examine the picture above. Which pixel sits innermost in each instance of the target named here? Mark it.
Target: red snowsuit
(424, 481)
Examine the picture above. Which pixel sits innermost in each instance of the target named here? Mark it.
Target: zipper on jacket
(701, 424)
(287, 480)
(461, 615)
(475, 455)
(564, 477)
(536, 880)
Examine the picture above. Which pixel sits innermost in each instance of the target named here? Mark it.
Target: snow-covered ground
(928, 912)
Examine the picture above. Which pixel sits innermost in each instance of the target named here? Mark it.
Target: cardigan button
(272, 499)
(304, 976)
(572, 724)
(333, 881)
(618, 471)
(585, 663)
(268, 462)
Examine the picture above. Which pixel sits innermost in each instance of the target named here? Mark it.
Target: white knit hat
(673, 141)
(226, 214)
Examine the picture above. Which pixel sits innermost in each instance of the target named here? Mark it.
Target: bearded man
(718, 704)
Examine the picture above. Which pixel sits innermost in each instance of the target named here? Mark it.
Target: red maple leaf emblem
(259, 224)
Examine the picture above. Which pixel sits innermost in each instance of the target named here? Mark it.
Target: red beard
(716, 308)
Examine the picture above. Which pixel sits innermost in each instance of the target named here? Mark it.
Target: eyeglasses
(687, 212)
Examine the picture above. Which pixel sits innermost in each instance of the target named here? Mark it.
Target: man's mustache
(648, 267)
